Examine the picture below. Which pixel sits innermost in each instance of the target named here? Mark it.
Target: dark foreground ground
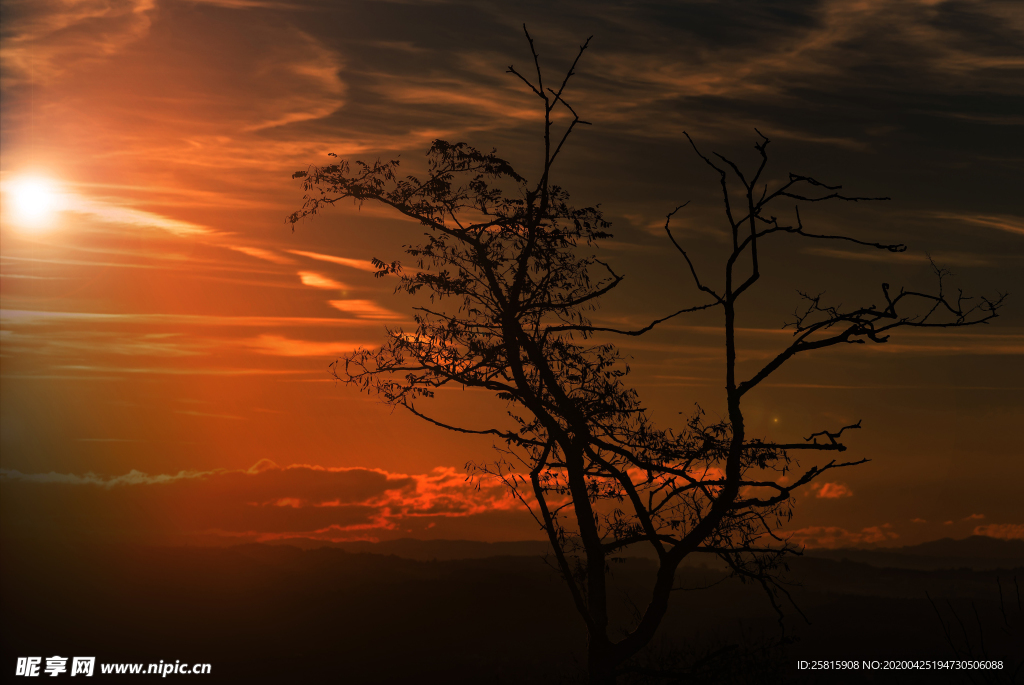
(281, 614)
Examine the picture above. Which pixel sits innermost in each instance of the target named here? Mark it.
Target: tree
(507, 285)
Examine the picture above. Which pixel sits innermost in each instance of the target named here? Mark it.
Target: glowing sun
(33, 201)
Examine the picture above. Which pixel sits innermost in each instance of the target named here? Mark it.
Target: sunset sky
(166, 335)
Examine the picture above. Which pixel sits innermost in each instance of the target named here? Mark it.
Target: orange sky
(165, 336)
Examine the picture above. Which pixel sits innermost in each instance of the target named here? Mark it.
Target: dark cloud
(831, 537)
(263, 502)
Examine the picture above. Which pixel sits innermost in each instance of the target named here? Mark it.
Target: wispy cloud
(287, 347)
(117, 371)
(260, 253)
(25, 317)
(1005, 223)
(133, 477)
(315, 280)
(365, 309)
(107, 440)
(255, 4)
(995, 345)
(65, 343)
(361, 264)
(45, 38)
(868, 255)
(207, 415)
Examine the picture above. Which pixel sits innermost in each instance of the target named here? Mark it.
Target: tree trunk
(600, 669)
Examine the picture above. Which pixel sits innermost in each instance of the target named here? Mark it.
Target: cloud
(364, 309)
(442, 492)
(116, 371)
(70, 343)
(317, 73)
(207, 415)
(832, 537)
(500, 104)
(133, 477)
(263, 502)
(119, 214)
(28, 317)
(833, 491)
(107, 440)
(726, 66)
(1003, 531)
(1006, 223)
(46, 36)
(253, 4)
(974, 517)
(315, 280)
(1008, 345)
(287, 347)
(260, 253)
(868, 255)
(361, 264)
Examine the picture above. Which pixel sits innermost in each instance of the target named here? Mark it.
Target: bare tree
(506, 286)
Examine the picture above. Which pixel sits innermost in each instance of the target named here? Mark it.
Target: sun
(34, 201)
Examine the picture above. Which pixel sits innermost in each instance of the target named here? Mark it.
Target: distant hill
(454, 550)
(429, 550)
(275, 613)
(976, 552)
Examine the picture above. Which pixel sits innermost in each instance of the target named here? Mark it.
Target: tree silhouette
(506, 284)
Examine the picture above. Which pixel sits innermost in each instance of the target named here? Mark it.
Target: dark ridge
(426, 550)
(277, 613)
(975, 552)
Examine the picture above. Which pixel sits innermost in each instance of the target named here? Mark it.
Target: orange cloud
(442, 492)
(27, 317)
(360, 264)
(43, 42)
(974, 517)
(287, 347)
(260, 253)
(364, 309)
(315, 280)
(264, 502)
(833, 491)
(1003, 531)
